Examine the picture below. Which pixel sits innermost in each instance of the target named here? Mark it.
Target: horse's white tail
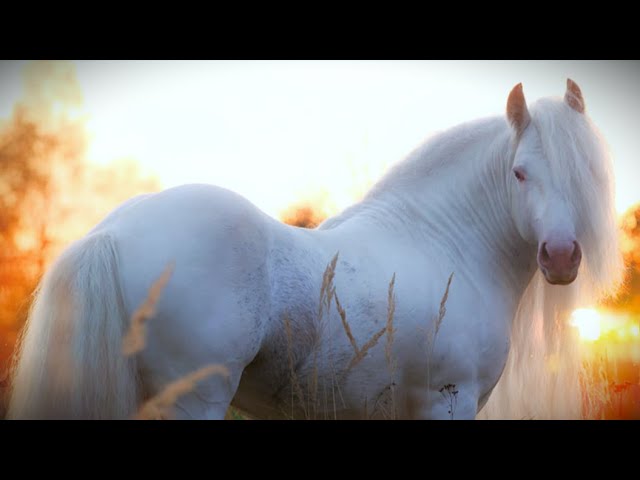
(70, 362)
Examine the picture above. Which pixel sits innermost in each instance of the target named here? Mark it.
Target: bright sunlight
(587, 321)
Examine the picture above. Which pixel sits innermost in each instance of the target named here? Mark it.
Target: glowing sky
(278, 132)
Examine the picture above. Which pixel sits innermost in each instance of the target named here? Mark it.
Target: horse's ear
(517, 111)
(573, 96)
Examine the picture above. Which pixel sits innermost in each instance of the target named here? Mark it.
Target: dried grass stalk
(432, 333)
(326, 290)
(296, 388)
(359, 353)
(443, 303)
(313, 386)
(135, 338)
(391, 309)
(160, 406)
(345, 324)
(366, 347)
(388, 351)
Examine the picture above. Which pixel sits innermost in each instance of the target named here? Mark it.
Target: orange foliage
(49, 193)
(611, 382)
(629, 298)
(303, 215)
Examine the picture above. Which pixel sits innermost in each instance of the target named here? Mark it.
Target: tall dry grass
(308, 402)
(305, 392)
(296, 388)
(607, 393)
(596, 387)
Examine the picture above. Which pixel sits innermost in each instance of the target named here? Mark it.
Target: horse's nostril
(576, 256)
(544, 255)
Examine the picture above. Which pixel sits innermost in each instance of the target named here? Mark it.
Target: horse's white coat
(453, 206)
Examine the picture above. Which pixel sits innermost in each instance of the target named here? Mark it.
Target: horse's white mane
(541, 379)
(467, 142)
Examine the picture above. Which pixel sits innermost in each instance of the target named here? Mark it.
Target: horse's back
(202, 229)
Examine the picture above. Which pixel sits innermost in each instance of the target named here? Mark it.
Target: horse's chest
(470, 344)
(463, 334)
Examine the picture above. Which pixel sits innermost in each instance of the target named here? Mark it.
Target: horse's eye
(519, 175)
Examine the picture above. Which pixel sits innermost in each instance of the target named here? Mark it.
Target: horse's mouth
(559, 278)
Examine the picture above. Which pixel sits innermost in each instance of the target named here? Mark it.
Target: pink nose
(559, 261)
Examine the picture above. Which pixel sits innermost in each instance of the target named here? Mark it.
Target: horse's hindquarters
(213, 309)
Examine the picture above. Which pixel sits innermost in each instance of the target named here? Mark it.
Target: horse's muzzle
(560, 261)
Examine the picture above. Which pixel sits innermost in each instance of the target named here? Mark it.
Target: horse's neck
(461, 205)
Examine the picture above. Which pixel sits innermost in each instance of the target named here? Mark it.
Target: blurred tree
(629, 297)
(303, 215)
(49, 194)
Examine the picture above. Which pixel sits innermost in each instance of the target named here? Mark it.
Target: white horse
(518, 209)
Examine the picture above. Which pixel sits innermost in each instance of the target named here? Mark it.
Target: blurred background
(300, 139)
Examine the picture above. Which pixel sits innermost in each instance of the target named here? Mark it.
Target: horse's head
(543, 199)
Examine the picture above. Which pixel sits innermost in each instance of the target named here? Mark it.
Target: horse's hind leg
(206, 365)
(195, 395)
(193, 332)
